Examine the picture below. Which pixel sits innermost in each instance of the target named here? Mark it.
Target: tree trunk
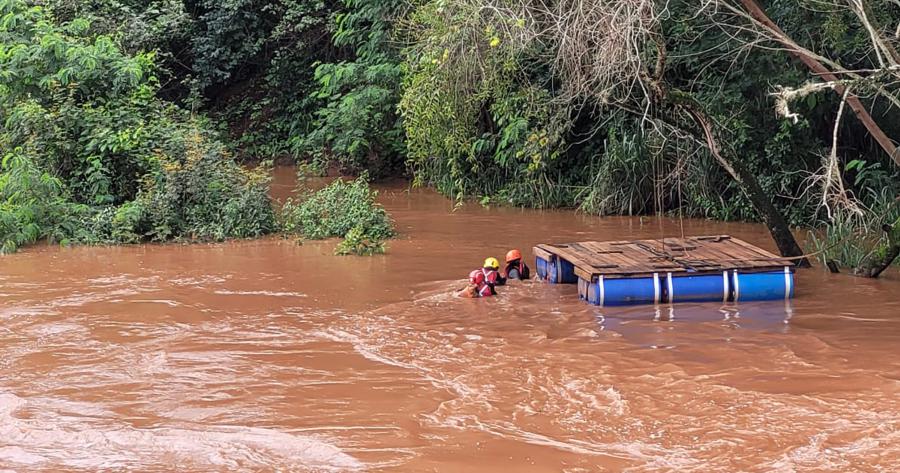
(775, 222)
(818, 68)
(778, 227)
(883, 257)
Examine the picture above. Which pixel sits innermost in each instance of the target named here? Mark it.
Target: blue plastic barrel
(541, 266)
(559, 271)
(623, 291)
(589, 291)
(765, 286)
(593, 293)
(681, 287)
(583, 287)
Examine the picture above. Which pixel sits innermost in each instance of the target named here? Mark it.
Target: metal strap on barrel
(737, 287)
(670, 287)
(726, 291)
(656, 289)
(787, 282)
(602, 288)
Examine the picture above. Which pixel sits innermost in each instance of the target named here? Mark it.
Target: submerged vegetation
(125, 120)
(863, 239)
(342, 209)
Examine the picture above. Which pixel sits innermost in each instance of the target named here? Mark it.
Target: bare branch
(833, 192)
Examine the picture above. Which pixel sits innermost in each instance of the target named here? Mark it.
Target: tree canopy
(725, 109)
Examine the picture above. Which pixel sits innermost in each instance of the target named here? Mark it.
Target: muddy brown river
(272, 356)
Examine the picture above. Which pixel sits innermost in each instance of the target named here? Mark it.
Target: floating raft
(698, 269)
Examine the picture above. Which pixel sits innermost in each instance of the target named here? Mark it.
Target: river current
(270, 355)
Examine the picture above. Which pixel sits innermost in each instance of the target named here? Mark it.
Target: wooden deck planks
(614, 259)
(636, 258)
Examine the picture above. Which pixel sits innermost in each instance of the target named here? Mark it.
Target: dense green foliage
(345, 209)
(31, 204)
(356, 124)
(91, 154)
(467, 96)
(473, 126)
(483, 118)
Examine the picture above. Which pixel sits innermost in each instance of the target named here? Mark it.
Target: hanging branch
(785, 95)
(815, 62)
(778, 227)
(833, 192)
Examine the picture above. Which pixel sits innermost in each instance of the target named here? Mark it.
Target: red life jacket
(491, 276)
(478, 278)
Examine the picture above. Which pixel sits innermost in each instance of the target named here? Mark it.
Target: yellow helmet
(492, 263)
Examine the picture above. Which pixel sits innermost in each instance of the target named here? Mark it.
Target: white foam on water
(52, 439)
(225, 292)
(564, 399)
(167, 302)
(47, 330)
(362, 349)
(586, 413)
(19, 456)
(200, 280)
(465, 394)
(52, 306)
(130, 280)
(674, 459)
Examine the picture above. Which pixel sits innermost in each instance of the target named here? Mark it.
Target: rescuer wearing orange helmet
(515, 267)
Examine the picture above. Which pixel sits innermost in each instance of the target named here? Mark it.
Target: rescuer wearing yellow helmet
(492, 263)
(492, 277)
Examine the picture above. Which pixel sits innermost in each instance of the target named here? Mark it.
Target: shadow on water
(657, 326)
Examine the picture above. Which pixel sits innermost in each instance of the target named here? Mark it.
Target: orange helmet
(476, 277)
(513, 255)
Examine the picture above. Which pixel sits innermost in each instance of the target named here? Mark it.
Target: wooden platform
(640, 258)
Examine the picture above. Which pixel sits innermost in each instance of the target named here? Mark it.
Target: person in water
(492, 276)
(483, 282)
(515, 267)
(477, 287)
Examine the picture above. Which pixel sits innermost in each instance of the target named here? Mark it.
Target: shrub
(198, 195)
(622, 181)
(356, 242)
(22, 190)
(32, 204)
(345, 209)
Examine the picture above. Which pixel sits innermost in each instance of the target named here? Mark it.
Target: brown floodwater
(268, 355)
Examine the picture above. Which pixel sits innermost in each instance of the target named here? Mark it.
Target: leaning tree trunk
(884, 256)
(778, 227)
